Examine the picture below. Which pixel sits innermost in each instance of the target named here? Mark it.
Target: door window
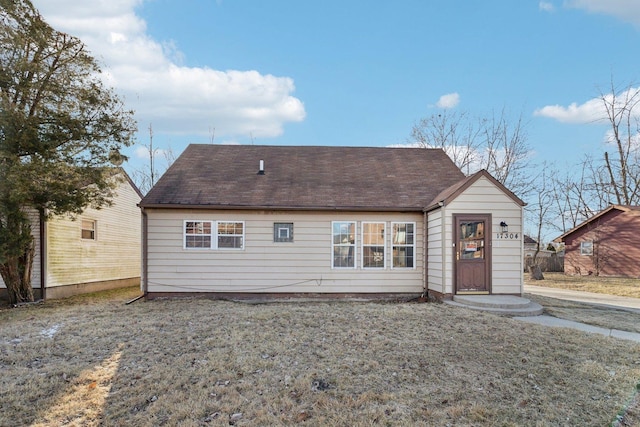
(471, 244)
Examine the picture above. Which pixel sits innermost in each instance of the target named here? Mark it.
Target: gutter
(425, 251)
(287, 208)
(445, 254)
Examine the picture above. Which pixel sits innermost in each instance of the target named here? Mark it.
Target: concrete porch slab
(506, 305)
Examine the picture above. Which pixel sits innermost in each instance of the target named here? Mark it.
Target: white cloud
(142, 152)
(592, 111)
(174, 98)
(546, 6)
(588, 112)
(626, 10)
(449, 100)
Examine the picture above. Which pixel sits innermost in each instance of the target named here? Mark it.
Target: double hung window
(214, 235)
(373, 244)
(343, 244)
(88, 229)
(403, 244)
(373, 247)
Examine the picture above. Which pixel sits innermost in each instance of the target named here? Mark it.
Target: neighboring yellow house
(280, 220)
(98, 250)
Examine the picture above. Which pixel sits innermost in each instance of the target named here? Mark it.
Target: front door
(472, 253)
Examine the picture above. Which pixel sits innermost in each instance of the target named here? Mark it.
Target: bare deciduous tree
(456, 133)
(146, 176)
(496, 144)
(573, 195)
(596, 182)
(620, 176)
(506, 153)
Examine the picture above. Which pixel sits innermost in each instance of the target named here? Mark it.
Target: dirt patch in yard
(97, 361)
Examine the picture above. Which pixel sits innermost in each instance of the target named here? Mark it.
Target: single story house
(605, 244)
(97, 250)
(233, 220)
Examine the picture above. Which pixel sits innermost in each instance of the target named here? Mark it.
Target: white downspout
(425, 256)
(443, 241)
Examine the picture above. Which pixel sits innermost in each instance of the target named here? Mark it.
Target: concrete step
(506, 305)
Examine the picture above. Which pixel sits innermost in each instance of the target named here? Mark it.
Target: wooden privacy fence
(551, 264)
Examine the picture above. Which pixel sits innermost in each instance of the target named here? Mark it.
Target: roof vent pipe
(261, 171)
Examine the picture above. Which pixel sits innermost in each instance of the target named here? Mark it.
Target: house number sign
(510, 236)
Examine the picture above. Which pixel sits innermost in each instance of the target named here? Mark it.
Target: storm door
(472, 253)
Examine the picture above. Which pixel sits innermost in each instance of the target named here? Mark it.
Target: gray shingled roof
(302, 177)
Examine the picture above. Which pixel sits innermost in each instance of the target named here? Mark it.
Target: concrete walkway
(611, 301)
(546, 320)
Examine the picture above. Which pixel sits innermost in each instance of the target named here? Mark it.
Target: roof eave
(590, 220)
(284, 207)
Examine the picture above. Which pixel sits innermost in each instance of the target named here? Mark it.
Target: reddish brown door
(472, 253)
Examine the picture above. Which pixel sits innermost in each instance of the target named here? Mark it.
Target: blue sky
(356, 72)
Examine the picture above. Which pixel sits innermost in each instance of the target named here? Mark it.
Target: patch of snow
(50, 332)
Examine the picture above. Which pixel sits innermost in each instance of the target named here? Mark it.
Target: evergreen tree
(61, 132)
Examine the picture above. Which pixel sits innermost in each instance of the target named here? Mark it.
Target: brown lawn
(621, 286)
(96, 361)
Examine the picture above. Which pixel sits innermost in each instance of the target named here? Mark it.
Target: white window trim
(289, 237)
(354, 244)
(214, 235)
(280, 233)
(184, 234)
(415, 240)
(582, 253)
(384, 245)
(241, 248)
(94, 229)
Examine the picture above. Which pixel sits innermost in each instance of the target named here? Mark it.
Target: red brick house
(605, 244)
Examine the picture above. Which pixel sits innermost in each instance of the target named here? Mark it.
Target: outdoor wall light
(504, 227)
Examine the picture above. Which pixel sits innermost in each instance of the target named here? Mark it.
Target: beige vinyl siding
(507, 254)
(436, 251)
(482, 197)
(113, 255)
(265, 266)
